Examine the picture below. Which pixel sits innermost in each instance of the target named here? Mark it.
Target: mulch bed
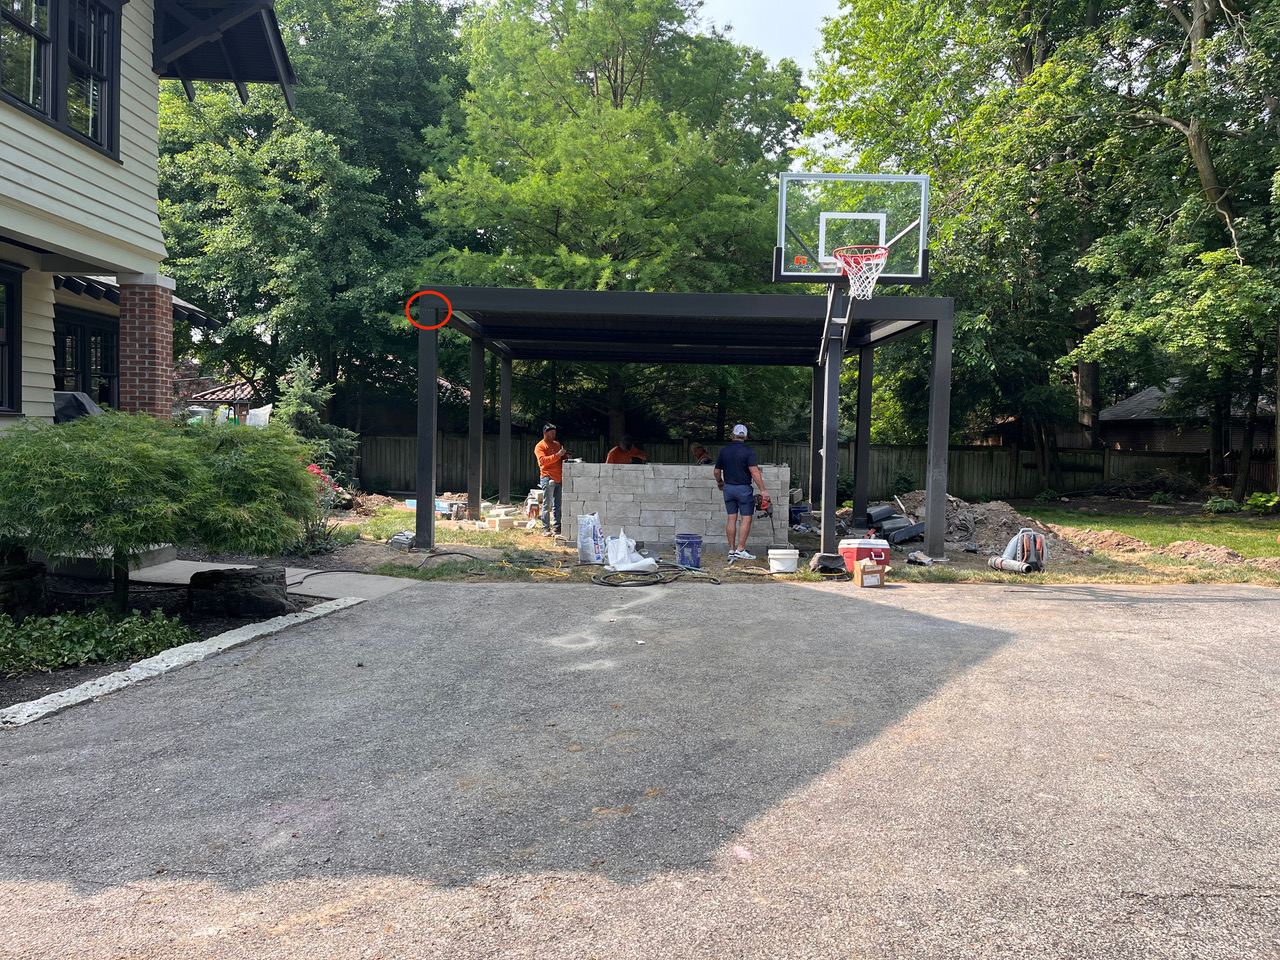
(74, 595)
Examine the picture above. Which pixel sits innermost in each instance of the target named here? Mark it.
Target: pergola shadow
(733, 329)
(458, 731)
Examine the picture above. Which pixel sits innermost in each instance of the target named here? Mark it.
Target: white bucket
(783, 561)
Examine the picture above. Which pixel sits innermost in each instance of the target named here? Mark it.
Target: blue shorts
(738, 498)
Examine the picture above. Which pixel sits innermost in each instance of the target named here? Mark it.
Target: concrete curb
(23, 713)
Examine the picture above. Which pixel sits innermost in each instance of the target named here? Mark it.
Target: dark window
(25, 41)
(10, 343)
(60, 59)
(86, 354)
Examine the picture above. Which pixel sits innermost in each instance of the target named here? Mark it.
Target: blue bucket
(689, 550)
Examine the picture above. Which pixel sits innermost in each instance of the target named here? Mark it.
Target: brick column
(146, 344)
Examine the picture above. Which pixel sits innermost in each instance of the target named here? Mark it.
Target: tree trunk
(722, 397)
(617, 400)
(1042, 461)
(120, 582)
(1241, 486)
(1215, 443)
(1087, 401)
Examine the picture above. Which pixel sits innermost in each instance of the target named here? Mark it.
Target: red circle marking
(434, 294)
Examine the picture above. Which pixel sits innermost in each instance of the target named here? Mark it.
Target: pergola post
(862, 433)
(935, 489)
(815, 438)
(475, 432)
(425, 484)
(832, 356)
(504, 434)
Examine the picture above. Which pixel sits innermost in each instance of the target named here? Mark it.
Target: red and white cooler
(855, 551)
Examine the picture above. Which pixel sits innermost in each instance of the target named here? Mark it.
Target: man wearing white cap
(735, 469)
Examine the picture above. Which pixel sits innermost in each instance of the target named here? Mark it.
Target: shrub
(74, 639)
(1263, 502)
(1221, 505)
(301, 408)
(904, 481)
(845, 486)
(115, 484)
(1044, 496)
(1161, 497)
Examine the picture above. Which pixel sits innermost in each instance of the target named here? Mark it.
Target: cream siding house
(79, 100)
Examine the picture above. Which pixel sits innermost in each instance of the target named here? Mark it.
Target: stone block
(667, 489)
(670, 471)
(585, 485)
(591, 470)
(624, 478)
(252, 592)
(658, 518)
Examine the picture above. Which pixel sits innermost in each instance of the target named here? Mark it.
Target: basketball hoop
(862, 265)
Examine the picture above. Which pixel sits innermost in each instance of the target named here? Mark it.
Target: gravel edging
(23, 713)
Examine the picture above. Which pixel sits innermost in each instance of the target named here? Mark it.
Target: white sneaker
(743, 555)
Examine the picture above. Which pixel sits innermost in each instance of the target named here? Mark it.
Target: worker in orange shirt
(551, 457)
(626, 452)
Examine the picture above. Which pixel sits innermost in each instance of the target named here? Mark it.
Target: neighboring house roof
(106, 288)
(238, 392)
(1148, 405)
(221, 41)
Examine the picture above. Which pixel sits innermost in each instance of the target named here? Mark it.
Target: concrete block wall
(654, 502)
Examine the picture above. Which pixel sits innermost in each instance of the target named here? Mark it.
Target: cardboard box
(867, 574)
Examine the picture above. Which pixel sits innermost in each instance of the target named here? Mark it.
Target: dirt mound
(1207, 552)
(1108, 541)
(367, 504)
(1265, 563)
(988, 525)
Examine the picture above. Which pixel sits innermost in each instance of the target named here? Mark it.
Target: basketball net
(862, 265)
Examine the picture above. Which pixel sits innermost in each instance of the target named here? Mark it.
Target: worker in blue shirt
(735, 469)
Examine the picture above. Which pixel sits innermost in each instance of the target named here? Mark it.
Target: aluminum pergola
(706, 328)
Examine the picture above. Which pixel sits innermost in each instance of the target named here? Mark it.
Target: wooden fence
(973, 473)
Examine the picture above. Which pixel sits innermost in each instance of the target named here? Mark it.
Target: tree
(303, 232)
(611, 147)
(114, 485)
(1062, 139)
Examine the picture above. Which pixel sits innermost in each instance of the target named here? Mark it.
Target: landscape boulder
(246, 592)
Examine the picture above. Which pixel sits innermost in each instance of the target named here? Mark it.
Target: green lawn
(1246, 533)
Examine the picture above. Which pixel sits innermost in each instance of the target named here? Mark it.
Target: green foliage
(846, 486)
(1160, 497)
(72, 640)
(254, 489)
(301, 231)
(1045, 496)
(302, 407)
(1263, 502)
(904, 481)
(116, 484)
(1221, 505)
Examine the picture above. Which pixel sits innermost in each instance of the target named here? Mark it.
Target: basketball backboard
(818, 212)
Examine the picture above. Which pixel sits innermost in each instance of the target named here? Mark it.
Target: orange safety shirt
(550, 463)
(618, 455)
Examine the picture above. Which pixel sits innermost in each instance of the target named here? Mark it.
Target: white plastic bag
(590, 539)
(623, 556)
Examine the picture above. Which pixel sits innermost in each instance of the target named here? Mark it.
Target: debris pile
(1196, 550)
(1108, 541)
(987, 528)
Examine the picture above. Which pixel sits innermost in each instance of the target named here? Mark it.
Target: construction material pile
(987, 528)
(1109, 541)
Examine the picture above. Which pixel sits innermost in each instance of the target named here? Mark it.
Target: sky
(779, 29)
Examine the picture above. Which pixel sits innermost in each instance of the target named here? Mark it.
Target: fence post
(1106, 464)
(1014, 464)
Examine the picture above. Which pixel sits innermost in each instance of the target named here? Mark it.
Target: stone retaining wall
(654, 502)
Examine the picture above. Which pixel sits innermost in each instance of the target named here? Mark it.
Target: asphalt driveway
(693, 771)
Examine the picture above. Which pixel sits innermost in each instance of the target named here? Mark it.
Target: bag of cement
(623, 557)
(590, 539)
